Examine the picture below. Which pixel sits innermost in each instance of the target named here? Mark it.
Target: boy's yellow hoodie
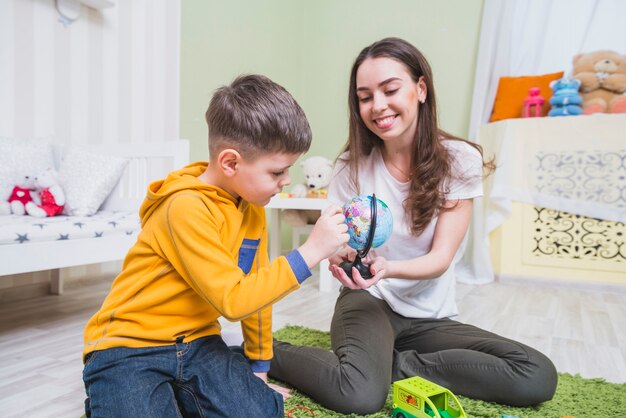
(201, 254)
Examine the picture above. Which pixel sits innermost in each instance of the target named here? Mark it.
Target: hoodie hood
(176, 181)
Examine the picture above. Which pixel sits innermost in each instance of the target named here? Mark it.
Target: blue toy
(565, 99)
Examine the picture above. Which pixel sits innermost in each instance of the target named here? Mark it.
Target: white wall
(110, 77)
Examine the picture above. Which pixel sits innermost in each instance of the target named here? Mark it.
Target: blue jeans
(202, 378)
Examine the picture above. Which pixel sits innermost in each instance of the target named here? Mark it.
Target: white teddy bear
(317, 173)
(51, 195)
(13, 199)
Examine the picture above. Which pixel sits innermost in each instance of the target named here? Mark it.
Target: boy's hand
(344, 254)
(329, 233)
(283, 391)
(261, 375)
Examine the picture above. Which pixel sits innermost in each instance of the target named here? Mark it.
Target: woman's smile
(385, 122)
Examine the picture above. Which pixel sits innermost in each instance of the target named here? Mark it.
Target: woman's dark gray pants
(372, 346)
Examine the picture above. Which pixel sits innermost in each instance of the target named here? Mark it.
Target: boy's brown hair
(256, 116)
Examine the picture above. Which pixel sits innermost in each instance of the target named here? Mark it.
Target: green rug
(575, 396)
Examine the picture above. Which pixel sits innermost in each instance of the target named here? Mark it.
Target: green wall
(309, 47)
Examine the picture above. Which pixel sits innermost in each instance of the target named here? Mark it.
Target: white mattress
(16, 229)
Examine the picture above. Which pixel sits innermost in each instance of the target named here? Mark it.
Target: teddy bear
(602, 75)
(565, 100)
(52, 197)
(15, 199)
(317, 173)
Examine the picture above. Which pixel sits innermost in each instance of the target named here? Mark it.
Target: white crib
(147, 162)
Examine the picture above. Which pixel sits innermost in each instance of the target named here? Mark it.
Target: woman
(399, 323)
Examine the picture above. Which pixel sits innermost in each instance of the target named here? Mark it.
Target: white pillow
(22, 157)
(87, 179)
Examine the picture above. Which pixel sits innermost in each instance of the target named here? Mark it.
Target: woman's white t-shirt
(433, 298)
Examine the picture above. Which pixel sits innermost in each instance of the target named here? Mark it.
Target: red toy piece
(532, 104)
(289, 415)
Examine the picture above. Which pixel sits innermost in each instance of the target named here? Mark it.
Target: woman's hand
(343, 254)
(378, 267)
(379, 264)
(283, 391)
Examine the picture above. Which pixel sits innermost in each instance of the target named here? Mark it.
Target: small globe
(358, 213)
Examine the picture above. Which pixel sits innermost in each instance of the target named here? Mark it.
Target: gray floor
(581, 329)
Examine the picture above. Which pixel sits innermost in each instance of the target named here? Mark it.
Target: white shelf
(313, 203)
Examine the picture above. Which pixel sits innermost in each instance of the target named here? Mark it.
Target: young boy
(154, 347)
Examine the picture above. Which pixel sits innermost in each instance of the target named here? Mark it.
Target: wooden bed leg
(56, 282)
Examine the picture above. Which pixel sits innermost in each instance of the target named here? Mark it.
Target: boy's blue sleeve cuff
(260, 366)
(298, 265)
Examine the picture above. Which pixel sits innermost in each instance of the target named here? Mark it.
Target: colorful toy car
(417, 397)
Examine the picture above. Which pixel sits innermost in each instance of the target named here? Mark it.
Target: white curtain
(537, 37)
(530, 37)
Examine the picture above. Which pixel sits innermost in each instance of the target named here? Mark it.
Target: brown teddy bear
(602, 76)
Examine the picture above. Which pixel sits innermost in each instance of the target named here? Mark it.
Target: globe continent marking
(358, 215)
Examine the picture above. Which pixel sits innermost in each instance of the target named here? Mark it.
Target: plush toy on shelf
(52, 197)
(531, 107)
(602, 75)
(19, 196)
(317, 173)
(565, 100)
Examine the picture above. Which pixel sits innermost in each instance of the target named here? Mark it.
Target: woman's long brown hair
(430, 161)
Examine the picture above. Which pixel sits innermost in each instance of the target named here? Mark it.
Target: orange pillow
(513, 90)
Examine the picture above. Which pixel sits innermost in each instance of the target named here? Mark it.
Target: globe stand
(363, 268)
